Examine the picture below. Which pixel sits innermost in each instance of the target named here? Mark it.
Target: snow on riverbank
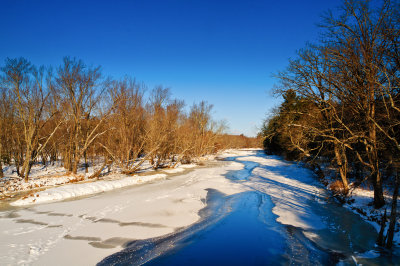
(51, 175)
(360, 202)
(77, 190)
(58, 185)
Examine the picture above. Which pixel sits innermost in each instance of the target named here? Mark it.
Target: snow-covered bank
(52, 175)
(53, 183)
(360, 202)
(83, 189)
(41, 177)
(84, 231)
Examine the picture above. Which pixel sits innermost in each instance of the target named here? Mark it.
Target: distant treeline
(71, 113)
(342, 98)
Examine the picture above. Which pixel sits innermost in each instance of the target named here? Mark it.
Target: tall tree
(31, 88)
(81, 92)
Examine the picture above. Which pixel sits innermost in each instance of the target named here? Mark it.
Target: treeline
(342, 98)
(73, 114)
(238, 141)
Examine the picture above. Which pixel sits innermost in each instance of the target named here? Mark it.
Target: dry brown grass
(336, 187)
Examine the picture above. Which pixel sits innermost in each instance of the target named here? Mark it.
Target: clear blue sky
(223, 52)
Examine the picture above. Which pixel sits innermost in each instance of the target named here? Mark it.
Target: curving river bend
(285, 217)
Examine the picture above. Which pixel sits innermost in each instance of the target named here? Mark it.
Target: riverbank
(360, 201)
(53, 182)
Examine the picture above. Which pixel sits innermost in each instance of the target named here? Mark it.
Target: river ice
(87, 229)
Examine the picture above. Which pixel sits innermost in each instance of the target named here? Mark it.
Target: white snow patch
(180, 168)
(234, 153)
(82, 189)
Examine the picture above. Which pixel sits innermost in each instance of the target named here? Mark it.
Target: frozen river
(249, 209)
(284, 217)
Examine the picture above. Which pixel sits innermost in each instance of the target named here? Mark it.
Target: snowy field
(63, 225)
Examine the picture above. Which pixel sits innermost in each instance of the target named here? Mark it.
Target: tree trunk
(75, 166)
(381, 239)
(1, 161)
(98, 172)
(393, 215)
(372, 151)
(53, 157)
(17, 165)
(76, 147)
(379, 200)
(342, 163)
(68, 160)
(1, 169)
(86, 165)
(27, 171)
(24, 173)
(44, 159)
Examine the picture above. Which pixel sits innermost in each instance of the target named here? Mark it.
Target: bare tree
(202, 126)
(81, 92)
(126, 142)
(157, 126)
(31, 88)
